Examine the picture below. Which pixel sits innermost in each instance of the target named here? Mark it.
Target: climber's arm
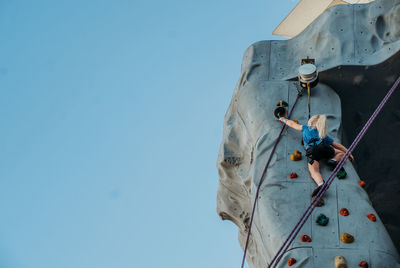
(290, 123)
(340, 147)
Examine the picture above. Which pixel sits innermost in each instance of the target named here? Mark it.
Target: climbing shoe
(332, 163)
(320, 202)
(316, 190)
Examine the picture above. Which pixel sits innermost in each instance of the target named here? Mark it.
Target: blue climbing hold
(322, 220)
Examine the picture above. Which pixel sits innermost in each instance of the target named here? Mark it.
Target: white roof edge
(295, 22)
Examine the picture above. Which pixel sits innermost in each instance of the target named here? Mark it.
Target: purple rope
(326, 185)
(262, 179)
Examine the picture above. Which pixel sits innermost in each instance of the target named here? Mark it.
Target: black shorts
(318, 152)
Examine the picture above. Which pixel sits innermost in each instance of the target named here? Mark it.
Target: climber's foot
(332, 163)
(320, 202)
(316, 190)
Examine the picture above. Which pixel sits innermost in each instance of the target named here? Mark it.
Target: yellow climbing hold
(347, 238)
(340, 262)
(296, 156)
(296, 121)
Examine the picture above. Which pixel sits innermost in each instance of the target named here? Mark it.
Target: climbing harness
(282, 250)
(309, 148)
(262, 179)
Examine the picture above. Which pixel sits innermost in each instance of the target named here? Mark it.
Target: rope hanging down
(309, 105)
(262, 179)
(326, 185)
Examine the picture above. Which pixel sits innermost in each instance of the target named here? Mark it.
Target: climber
(318, 146)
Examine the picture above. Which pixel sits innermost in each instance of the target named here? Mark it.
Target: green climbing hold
(322, 220)
(341, 174)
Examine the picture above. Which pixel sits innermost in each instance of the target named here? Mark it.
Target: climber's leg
(315, 172)
(338, 155)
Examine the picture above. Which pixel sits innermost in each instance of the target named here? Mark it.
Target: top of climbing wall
(305, 12)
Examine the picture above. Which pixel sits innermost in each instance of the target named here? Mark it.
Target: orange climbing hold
(372, 217)
(344, 212)
(296, 156)
(291, 261)
(347, 238)
(293, 175)
(305, 238)
(362, 183)
(363, 264)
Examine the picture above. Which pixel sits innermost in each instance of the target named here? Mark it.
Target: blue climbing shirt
(310, 133)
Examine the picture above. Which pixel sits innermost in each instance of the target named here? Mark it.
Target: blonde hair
(319, 122)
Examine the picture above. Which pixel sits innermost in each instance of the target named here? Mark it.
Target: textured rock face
(342, 41)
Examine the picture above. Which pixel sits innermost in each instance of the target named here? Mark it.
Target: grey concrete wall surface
(347, 42)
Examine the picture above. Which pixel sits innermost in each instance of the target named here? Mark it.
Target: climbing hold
(340, 262)
(322, 220)
(320, 203)
(347, 238)
(296, 121)
(341, 174)
(293, 175)
(363, 264)
(291, 261)
(305, 238)
(281, 110)
(362, 183)
(296, 156)
(372, 217)
(344, 212)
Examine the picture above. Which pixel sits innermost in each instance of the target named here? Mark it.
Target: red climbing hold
(305, 238)
(363, 264)
(293, 175)
(291, 261)
(362, 183)
(371, 217)
(344, 212)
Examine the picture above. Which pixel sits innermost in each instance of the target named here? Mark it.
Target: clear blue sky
(111, 117)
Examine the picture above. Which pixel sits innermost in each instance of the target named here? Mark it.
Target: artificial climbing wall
(356, 50)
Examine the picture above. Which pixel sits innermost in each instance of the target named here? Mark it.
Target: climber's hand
(282, 119)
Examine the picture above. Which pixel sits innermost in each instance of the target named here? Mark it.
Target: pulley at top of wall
(308, 75)
(308, 78)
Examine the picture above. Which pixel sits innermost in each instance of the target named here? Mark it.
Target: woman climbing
(318, 146)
